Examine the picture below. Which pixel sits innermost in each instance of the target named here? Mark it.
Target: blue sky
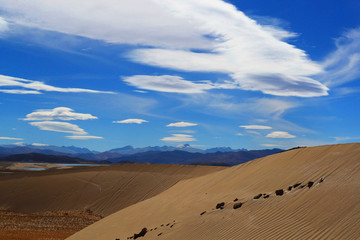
(245, 74)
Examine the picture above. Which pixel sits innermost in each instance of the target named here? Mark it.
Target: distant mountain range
(182, 154)
(188, 158)
(43, 158)
(84, 153)
(128, 150)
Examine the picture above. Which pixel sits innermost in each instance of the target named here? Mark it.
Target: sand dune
(328, 209)
(103, 190)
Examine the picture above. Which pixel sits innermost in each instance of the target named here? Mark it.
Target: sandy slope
(103, 190)
(327, 210)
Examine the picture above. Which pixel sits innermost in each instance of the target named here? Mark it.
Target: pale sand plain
(329, 209)
(59, 202)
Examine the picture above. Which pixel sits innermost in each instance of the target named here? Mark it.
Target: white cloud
(280, 134)
(182, 124)
(271, 145)
(4, 26)
(84, 137)
(59, 113)
(59, 127)
(116, 21)
(167, 83)
(257, 127)
(340, 139)
(20, 144)
(217, 104)
(179, 138)
(11, 138)
(240, 134)
(35, 87)
(184, 131)
(253, 132)
(343, 65)
(39, 144)
(20, 91)
(140, 91)
(137, 121)
(255, 57)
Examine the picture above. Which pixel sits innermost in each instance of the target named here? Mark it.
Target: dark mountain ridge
(43, 158)
(187, 158)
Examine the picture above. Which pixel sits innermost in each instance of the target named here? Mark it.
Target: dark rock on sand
(220, 205)
(141, 233)
(279, 192)
(237, 205)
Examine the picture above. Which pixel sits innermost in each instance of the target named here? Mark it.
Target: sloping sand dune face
(103, 190)
(325, 205)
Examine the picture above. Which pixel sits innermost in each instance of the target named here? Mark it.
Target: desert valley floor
(305, 193)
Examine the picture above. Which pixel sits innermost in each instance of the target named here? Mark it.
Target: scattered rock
(235, 200)
(162, 225)
(310, 184)
(237, 205)
(302, 186)
(296, 185)
(202, 213)
(220, 205)
(172, 225)
(290, 188)
(168, 224)
(155, 228)
(258, 196)
(266, 195)
(141, 233)
(321, 180)
(159, 234)
(279, 192)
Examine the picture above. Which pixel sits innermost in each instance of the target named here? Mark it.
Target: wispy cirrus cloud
(115, 21)
(4, 26)
(217, 104)
(84, 137)
(341, 139)
(59, 113)
(280, 134)
(184, 131)
(59, 127)
(256, 127)
(271, 145)
(179, 138)
(25, 86)
(343, 65)
(255, 57)
(132, 120)
(167, 83)
(253, 132)
(11, 138)
(182, 124)
(39, 144)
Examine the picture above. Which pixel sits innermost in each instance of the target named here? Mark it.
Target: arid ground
(305, 193)
(55, 204)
